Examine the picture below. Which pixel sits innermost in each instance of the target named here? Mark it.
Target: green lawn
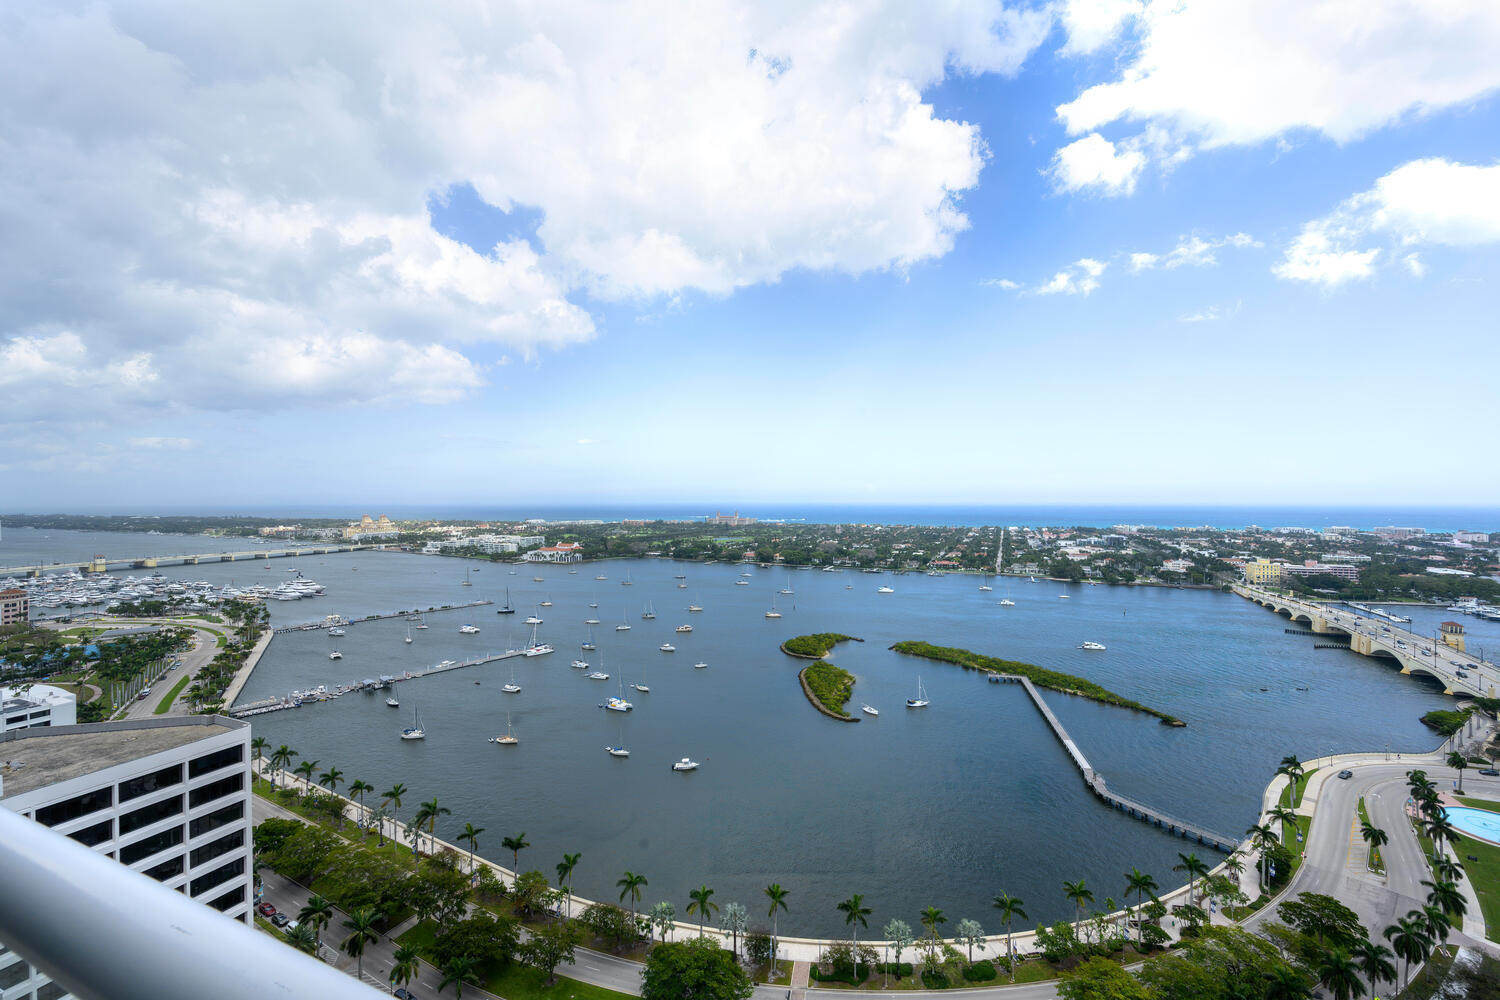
(1484, 875)
(167, 699)
(1474, 803)
(1286, 793)
(1373, 860)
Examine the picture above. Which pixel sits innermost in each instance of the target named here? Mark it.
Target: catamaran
(335, 655)
(468, 629)
(415, 730)
(512, 687)
(618, 704)
(920, 701)
(535, 618)
(1092, 645)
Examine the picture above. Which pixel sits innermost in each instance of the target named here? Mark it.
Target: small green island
(815, 646)
(827, 687)
(1052, 680)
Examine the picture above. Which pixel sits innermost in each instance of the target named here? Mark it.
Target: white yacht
(580, 665)
(335, 655)
(591, 621)
(617, 704)
(985, 588)
(512, 687)
(408, 632)
(684, 628)
(532, 619)
(540, 649)
(624, 626)
(869, 710)
(1006, 602)
(1091, 645)
(685, 764)
(617, 751)
(545, 604)
(598, 675)
(601, 576)
(693, 608)
(667, 647)
(920, 701)
(468, 629)
(335, 631)
(742, 583)
(1063, 597)
(391, 701)
(885, 590)
(700, 666)
(415, 730)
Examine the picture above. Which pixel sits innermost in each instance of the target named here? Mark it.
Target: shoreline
(822, 708)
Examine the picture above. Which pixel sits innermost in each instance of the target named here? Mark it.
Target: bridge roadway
(103, 564)
(1415, 653)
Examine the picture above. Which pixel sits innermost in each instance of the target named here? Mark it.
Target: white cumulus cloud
(1192, 251)
(1210, 73)
(1094, 163)
(1424, 202)
(1090, 24)
(1079, 278)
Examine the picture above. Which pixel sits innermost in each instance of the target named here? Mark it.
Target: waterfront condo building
(168, 798)
(36, 706)
(15, 606)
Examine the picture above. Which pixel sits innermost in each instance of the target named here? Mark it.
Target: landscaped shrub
(934, 979)
(900, 970)
(979, 972)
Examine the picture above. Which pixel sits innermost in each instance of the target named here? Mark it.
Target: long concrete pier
(1100, 788)
(323, 693)
(313, 626)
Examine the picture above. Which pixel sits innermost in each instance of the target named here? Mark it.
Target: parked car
(281, 920)
(1346, 774)
(403, 994)
(266, 910)
(1490, 772)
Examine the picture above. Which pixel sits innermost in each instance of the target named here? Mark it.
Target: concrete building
(166, 797)
(1312, 567)
(493, 544)
(15, 606)
(1453, 635)
(565, 552)
(1262, 572)
(38, 705)
(368, 527)
(729, 520)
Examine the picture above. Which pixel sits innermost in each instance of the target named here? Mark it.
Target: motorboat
(885, 590)
(920, 701)
(335, 655)
(598, 675)
(685, 764)
(1091, 645)
(617, 751)
(1006, 602)
(694, 607)
(773, 613)
(335, 631)
(591, 621)
(742, 583)
(601, 576)
(684, 628)
(667, 647)
(869, 710)
(468, 629)
(391, 701)
(985, 588)
(536, 579)
(1063, 597)
(415, 730)
(700, 666)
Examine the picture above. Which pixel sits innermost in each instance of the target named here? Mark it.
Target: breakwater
(379, 616)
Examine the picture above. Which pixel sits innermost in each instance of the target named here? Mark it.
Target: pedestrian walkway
(800, 976)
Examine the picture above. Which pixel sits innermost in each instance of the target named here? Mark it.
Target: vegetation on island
(1052, 680)
(817, 645)
(828, 687)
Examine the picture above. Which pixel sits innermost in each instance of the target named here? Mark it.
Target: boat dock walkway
(1100, 788)
(324, 693)
(311, 626)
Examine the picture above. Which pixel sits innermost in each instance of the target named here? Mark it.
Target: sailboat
(537, 648)
(920, 701)
(627, 582)
(618, 704)
(650, 613)
(415, 730)
(641, 685)
(509, 739)
(512, 687)
(589, 643)
(506, 609)
(624, 625)
(467, 581)
(617, 751)
(408, 631)
(535, 618)
(421, 622)
(599, 675)
(773, 613)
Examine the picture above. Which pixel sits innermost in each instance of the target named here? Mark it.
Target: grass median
(170, 696)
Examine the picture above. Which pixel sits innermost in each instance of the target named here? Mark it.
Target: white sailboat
(773, 613)
(509, 739)
(467, 581)
(624, 625)
(641, 684)
(920, 701)
(537, 648)
(512, 687)
(408, 631)
(589, 643)
(618, 704)
(391, 701)
(627, 582)
(415, 730)
(650, 613)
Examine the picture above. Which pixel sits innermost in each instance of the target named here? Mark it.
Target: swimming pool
(1479, 823)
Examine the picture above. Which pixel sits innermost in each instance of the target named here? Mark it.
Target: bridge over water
(1414, 653)
(104, 564)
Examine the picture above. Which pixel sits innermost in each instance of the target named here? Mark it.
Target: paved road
(205, 645)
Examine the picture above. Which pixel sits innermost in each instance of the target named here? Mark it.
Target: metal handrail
(105, 932)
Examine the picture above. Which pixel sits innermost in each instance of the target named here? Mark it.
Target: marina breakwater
(380, 616)
(322, 692)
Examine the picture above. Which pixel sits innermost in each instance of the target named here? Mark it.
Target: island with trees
(815, 646)
(826, 686)
(1052, 680)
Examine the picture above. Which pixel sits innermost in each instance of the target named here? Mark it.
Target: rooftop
(34, 758)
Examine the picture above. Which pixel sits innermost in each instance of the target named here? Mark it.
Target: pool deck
(1449, 801)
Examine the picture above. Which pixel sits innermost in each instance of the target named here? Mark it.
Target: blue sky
(994, 253)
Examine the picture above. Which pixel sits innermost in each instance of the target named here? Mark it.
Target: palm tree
(405, 966)
(1440, 830)
(777, 895)
(1284, 982)
(1194, 868)
(1458, 762)
(392, 798)
(1446, 869)
(1142, 885)
(1339, 973)
(279, 761)
(1010, 907)
(855, 911)
(414, 828)
(931, 918)
(1447, 897)
(302, 938)
(701, 904)
(565, 877)
(357, 788)
(1262, 836)
(515, 845)
(1375, 962)
(663, 916)
(1292, 768)
(331, 779)
(1288, 820)
(1410, 940)
(458, 971)
(434, 813)
(734, 921)
(1373, 835)
(361, 924)
(316, 913)
(305, 771)
(631, 885)
(258, 746)
(970, 933)
(470, 836)
(1079, 893)
(1437, 922)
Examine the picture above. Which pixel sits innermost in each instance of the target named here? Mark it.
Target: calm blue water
(946, 806)
(1431, 518)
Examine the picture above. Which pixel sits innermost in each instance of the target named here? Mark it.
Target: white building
(565, 552)
(36, 705)
(169, 798)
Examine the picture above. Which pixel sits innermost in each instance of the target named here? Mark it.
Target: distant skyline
(1082, 252)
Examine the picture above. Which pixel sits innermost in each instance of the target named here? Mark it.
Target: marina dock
(325, 623)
